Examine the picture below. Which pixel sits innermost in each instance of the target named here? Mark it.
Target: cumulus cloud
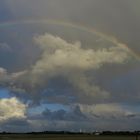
(60, 53)
(72, 61)
(64, 59)
(12, 108)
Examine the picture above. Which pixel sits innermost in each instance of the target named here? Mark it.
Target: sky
(69, 65)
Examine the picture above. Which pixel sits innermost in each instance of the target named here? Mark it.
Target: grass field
(64, 137)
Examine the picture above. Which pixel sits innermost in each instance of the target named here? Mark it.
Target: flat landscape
(64, 137)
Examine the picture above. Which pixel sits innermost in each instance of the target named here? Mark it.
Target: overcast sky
(69, 65)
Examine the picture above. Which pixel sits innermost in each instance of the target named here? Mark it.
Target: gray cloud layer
(119, 18)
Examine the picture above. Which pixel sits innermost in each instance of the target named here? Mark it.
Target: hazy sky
(69, 65)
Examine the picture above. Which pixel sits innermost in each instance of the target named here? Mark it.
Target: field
(64, 137)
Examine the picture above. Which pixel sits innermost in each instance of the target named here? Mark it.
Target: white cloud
(12, 108)
(59, 53)
(72, 61)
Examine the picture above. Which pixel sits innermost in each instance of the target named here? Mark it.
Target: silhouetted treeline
(82, 133)
(120, 133)
(56, 132)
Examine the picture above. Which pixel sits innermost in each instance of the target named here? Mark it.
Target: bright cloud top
(12, 108)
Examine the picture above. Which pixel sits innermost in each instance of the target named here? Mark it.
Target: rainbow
(72, 25)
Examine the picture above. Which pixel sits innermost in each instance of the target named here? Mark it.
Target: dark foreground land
(64, 137)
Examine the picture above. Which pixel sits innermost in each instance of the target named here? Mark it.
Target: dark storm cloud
(119, 18)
